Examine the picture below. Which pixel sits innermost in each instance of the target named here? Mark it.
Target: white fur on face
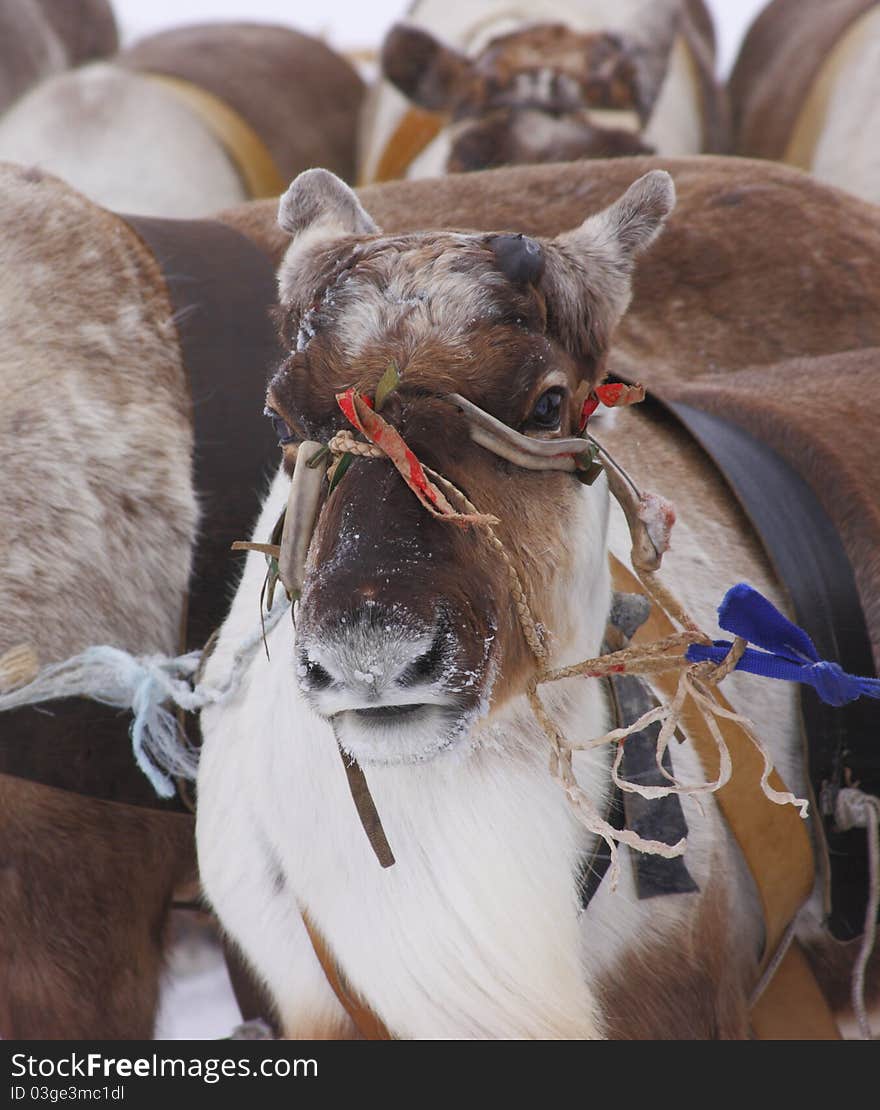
(378, 713)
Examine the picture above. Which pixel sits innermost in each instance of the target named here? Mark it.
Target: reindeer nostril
(314, 674)
(426, 666)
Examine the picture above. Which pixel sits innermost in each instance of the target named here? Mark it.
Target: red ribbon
(358, 410)
(613, 395)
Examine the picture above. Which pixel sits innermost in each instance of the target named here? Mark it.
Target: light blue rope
(145, 685)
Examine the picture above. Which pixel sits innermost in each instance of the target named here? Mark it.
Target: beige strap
(18, 666)
(415, 131)
(792, 1007)
(811, 118)
(247, 151)
(773, 838)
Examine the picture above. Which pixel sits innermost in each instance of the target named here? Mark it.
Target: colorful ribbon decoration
(359, 411)
(613, 395)
(789, 653)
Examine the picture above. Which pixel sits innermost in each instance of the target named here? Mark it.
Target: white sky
(350, 24)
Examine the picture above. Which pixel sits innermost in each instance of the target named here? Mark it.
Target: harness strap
(247, 151)
(629, 697)
(222, 289)
(413, 134)
(79, 746)
(652, 818)
(793, 1007)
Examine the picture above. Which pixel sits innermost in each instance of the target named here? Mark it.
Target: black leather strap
(221, 288)
(808, 557)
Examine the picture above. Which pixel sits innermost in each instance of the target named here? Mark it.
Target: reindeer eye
(282, 430)
(547, 410)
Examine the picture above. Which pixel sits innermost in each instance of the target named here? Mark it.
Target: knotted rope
(145, 684)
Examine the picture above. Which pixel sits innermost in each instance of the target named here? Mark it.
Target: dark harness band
(222, 287)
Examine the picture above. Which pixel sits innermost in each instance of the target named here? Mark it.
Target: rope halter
(650, 519)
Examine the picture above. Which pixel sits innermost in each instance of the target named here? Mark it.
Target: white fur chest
(474, 932)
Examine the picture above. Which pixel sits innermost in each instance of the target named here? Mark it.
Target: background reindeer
(804, 91)
(489, 85)
(41, 37)
(192, 120)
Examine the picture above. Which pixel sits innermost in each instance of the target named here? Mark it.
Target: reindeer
(41, 37)
(87, 885)
(192, 120)
(405, 677)
(93, 859)
(804, 87)
(520, 84)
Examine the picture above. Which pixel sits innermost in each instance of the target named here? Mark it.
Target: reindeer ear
(319, 200)
(316, 209)
(587, 277)
(629, 225)
(422, 68)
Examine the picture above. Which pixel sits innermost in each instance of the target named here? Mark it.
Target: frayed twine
(146, 685)
(696, 682)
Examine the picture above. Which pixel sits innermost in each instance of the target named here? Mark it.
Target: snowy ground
(197, 999)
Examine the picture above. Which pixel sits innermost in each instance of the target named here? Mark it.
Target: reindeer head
(542, 93)
(406, 632)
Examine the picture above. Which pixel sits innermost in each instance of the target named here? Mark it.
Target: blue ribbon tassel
(789, 653)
